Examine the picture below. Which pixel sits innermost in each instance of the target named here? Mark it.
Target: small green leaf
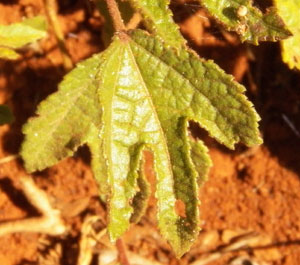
(6, 115)
(65, 120)
(7, 53)
(248, 21)
(158, 18)
(289, 11)
(19, 34)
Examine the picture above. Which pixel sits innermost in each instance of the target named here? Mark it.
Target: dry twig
(49, 223)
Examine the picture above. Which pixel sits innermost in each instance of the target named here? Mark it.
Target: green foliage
(6, 115)
(17, 35)
(289, 11)
(248, 21)
(140, 94)
(158, 19)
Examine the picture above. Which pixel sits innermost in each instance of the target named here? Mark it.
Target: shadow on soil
(17, 197)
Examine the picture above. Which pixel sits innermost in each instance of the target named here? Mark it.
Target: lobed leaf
(289, 11)
(6, 115)
(19, 34)
(129, 123)
(248, 21)
(182, 88)
(158, 18)
(141, 94)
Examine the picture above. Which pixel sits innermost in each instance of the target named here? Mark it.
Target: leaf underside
(247, 20)
(289, 11)
(19, 34)
(140, 94)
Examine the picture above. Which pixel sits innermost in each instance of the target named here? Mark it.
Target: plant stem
(50, 6)
(134, 21)
(115, 15)
(123, 259)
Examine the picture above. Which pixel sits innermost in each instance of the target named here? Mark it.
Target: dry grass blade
(240, 243)
(8, 159)
(109, 256)
(88, 240)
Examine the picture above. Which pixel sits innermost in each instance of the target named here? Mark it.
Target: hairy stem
(134, 21)
(50, 6)
(115, 15)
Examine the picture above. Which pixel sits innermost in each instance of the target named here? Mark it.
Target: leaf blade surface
(182, 88)
(129, 123)
(248, 21)
(19, 34)
(141, 94)
(64, 119)
(158, 18)
(201, 91)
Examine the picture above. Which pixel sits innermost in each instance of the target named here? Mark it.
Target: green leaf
(7, 53)
(248, 21)
(19, 34)
(204, 92)
(141, 94)
(6, 115)
(158, 18)
(98, 163)
(66, 120)
(289, 11)
(184, 87)
(149, 93)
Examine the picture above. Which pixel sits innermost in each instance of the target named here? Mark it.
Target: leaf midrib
(165, 146)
